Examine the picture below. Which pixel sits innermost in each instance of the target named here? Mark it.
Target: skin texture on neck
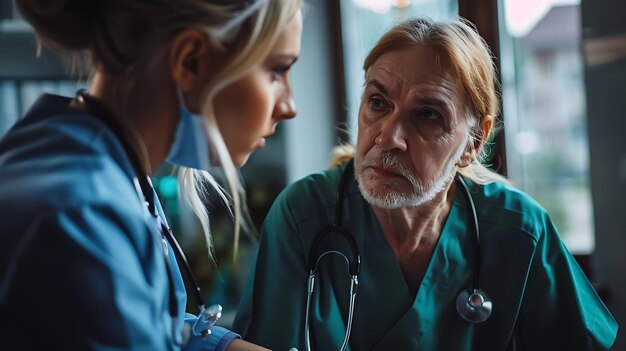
(413, 233)
(407, 227)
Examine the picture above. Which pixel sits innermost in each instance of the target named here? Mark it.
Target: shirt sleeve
(560, 309)
(218, 340)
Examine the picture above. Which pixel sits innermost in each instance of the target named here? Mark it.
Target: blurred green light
(168, 186)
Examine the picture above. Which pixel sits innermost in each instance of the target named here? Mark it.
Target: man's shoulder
(307, 196)
(325, 181)
(502, 204)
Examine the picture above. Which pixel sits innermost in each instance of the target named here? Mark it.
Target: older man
(451, 257)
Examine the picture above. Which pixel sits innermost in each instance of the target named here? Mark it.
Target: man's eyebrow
(378, 85)
(432, 101)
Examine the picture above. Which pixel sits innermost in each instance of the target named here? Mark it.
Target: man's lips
(386, 173)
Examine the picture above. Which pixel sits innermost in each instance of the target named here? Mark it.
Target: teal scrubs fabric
(541, 299)
(82, 265)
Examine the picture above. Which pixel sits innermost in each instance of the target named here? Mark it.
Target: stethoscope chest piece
(474, 305)
(206, 320)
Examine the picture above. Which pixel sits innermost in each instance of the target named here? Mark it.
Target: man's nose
(392, 135)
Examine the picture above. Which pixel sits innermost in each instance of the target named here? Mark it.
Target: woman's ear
(189, 60)
(472, 151)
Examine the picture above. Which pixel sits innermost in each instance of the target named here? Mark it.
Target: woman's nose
(285, 109)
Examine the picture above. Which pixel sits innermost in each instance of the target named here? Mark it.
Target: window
(9, 106)
(544, 112)
(16, 97)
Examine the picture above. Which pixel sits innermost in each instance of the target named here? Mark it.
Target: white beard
(388, 197)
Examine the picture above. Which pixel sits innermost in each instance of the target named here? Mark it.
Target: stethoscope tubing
(354, 283)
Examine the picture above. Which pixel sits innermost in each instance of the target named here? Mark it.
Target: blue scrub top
(82, 264)
(541, 298)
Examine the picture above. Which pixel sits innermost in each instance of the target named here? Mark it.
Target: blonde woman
(87, 260)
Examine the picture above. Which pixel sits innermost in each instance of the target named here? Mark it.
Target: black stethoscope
(473, 304)
(207, 317)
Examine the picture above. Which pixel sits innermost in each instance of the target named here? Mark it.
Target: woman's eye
(279, 71)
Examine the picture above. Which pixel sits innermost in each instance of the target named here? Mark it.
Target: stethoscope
(473, 304)
(208, 316)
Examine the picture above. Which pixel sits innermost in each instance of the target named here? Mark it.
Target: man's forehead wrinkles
(433, 91)
(385, 76)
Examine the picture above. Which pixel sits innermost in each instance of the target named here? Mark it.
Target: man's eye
(377, 103)
(428, 115)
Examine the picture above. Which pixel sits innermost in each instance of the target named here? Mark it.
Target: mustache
(389, 162)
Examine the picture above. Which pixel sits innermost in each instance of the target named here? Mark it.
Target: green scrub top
(541, 298)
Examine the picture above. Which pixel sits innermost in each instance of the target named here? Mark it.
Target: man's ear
(189, 60)
(468, 156)
(472, 151)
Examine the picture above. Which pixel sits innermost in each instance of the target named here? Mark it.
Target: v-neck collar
(446, 274)
(438, 267)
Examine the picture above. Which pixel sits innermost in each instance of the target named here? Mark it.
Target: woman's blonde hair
(467, 55)
(264, 28)
(121, 36)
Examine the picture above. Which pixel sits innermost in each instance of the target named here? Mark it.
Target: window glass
(545, 112)
(9, 107)
(16, 97)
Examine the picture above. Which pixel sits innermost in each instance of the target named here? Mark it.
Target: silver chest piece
(474, 305)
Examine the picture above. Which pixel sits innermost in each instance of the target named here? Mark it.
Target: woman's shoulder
(51, 127)
(56, 156)
(60, 179)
